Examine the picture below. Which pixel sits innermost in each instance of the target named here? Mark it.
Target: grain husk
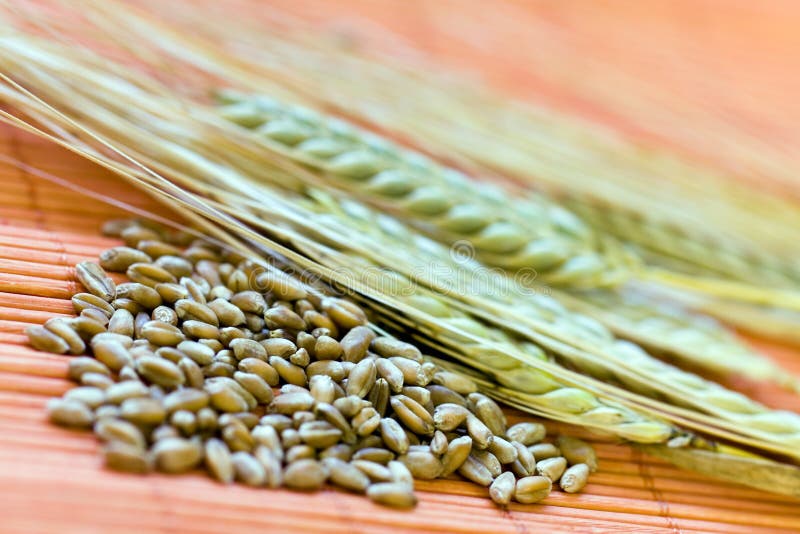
(176, 455)
(551, 468)
(542, 451)
(473, 470)
(532, 489)
(248, 470)
(346, 475)
(63, 329)
(70, 413)
(43, 339)
(121, 456)
(305, 475)
(527, 433)
(577, 451)
(574, 478)
(392, 494)
(502, 488)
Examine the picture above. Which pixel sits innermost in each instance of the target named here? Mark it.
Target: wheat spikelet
(546, 238)
(293, 65)
(454, 119)
(170, 137)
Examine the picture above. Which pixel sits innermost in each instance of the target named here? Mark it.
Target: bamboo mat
(51, 479)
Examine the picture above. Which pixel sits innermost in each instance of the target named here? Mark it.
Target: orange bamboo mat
(51, 479)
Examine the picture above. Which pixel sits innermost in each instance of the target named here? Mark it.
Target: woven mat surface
(51, 479)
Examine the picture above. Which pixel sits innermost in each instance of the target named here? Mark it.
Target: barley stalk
(549, 239)
(278, 47)
(513, 137)
(661, 326)
(659, 435)
(455, 334)
(695, 255)
(508, 143)
(520, 128)
(613, 314)
(764, 322)
(707, 396)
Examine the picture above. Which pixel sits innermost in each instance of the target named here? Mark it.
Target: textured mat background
(51, 479)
